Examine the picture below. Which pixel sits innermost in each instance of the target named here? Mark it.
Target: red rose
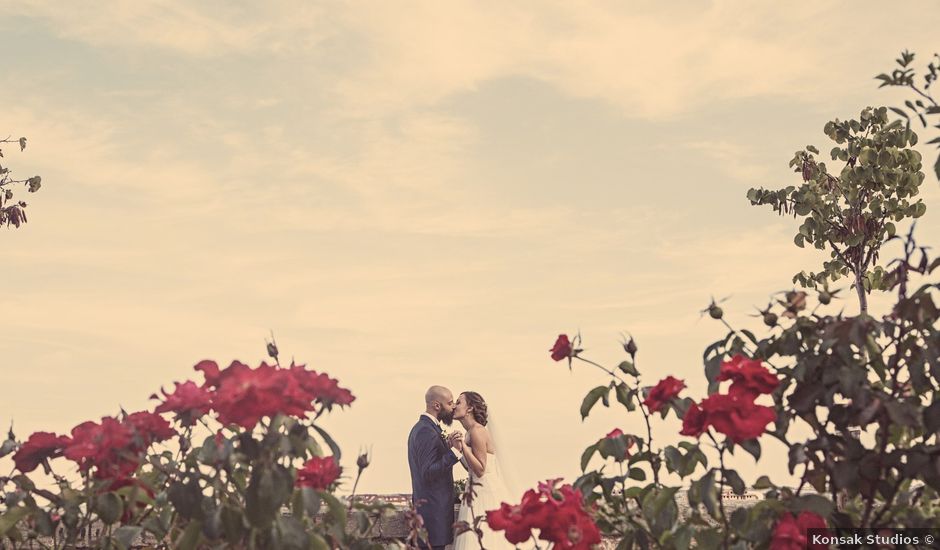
(321, 387)
(318, 473)
(515, 520)
(557, 512)
(107, 447)
(617, 432)
(39, 447)
(243, 395)
(748, 377)
(562, 348)
(188, 401)
(667, 389)
(790, 533)
(736, 416)
(694, 422)
(149, 427)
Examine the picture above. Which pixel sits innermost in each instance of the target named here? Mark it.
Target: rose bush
(261, 454)
(862, 390)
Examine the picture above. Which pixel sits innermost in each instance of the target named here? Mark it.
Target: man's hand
(455, 440)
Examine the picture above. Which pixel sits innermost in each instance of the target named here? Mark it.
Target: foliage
(923, 106)
(13, 212)
(866, 390)
(251, 469)
(854, 212)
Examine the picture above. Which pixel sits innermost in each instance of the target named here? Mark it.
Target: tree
(12, 212)
(853, 213)
(924, 105)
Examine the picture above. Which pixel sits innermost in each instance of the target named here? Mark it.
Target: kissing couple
(432, 456)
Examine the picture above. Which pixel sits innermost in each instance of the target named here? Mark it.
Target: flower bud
(770, 319)
(715, 312)
(363, 461)
(825, 298)
(272, 350)
(630, 347)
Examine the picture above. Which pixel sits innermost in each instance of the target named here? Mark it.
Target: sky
(413, 193)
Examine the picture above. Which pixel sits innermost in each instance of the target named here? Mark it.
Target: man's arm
(432, 466)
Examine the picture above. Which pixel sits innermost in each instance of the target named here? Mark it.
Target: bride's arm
(476, 455)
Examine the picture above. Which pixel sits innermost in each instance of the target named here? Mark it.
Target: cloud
(206, 29)
(736, 160)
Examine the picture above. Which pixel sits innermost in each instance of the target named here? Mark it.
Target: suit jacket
(432, 480)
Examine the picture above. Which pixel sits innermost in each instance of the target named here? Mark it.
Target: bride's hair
(476, 401)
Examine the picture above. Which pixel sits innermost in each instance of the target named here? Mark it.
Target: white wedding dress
(491, 491)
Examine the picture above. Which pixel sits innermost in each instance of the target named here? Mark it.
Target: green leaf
(125, 535)
(109, 508)
(752, 446)
(900, 112)
(627, 367)
(334, 448)
(814, 503)
(233, 523)
(318, 543)
(291, 534)
(637, 473)
(186, 498)
(268, 490)
(624, 396)
(7, 447)
(11, 517)
(763, 482)
(190, 537)
(591, 399)
(312, 501)
(932, 417)
(335, 509)
(734, 481)
(586, 456)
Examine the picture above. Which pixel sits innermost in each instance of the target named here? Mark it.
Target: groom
(431, 461)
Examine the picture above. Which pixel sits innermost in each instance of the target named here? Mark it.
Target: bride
(481, 455)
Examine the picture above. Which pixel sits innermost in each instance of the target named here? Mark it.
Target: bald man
(432, 460)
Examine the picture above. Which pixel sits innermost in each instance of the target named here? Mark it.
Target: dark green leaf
(291, 534)
(334, 448)
(190, 537)
(586, 456)
(932, 417)
(763, 482)
(637, 474)
(268, 490)
(312, 501)
(591, 399)
(628, 368)
(814, 503)
(125, 535)
(734, 481)
(109, 508)
(625, 396)
(186, 498)
(752, 446)
(11, 517)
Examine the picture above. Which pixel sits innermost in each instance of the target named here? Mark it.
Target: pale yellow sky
(411, 193)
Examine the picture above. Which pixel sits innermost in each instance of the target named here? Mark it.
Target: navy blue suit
(432, 480)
